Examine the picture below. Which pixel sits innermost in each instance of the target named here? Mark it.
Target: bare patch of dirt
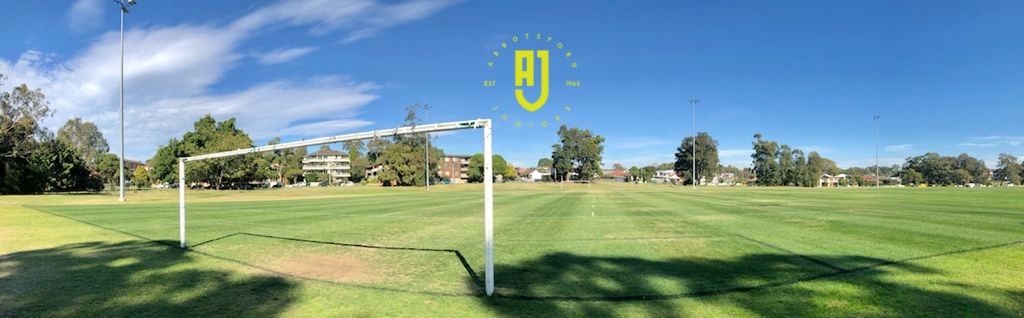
(355, 267)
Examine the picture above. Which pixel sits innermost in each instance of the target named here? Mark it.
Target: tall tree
(579, 152)
(1009, 169)
(85, 137)
(707, 158)
(820, 165)
(975, 169)
(108, 168)
(210, 136)
(786, 167)
(357, 161)
(766, 168)
(21, 110)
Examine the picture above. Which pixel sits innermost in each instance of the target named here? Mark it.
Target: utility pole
(124, 9)
(693, 168)
(877, 176)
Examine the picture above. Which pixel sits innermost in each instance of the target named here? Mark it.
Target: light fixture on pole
(693, 169)
(124, 9)
(877, 176)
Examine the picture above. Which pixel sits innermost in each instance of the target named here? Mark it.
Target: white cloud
(977, 145)
(360, 18)
(170, 72)
(1002, 140)
(86, 15)
(282, 55)
(898, 148)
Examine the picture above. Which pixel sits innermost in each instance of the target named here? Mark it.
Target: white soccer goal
(456, 125)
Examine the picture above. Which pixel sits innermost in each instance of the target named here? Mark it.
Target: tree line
(33, 159)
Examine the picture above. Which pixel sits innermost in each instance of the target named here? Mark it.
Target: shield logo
(525, 77)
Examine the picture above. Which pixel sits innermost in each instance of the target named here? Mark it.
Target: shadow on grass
(566, 284)
(133, 279)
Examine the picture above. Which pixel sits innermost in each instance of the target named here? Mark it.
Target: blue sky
(945, 76)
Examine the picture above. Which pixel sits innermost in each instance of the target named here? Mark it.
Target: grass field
(624, 250)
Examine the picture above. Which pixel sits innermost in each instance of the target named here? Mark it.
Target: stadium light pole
(124, 9)
(877, 176)
(693, 169)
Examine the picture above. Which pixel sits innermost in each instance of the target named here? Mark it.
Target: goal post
(485, 124)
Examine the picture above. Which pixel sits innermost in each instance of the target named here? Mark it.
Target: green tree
(60, 167)
(294, 175)
(358, 163)
(975, 169)
(545, 163)
(475, 171)
(1008, 169)
(21, 110)
(579, 151)
(108, 168)
(140, 178)
(509, 173)
(86, 138)
(766, 168)
(912, 177)
(818, 165)
(935, 169)
(210, 136)
(164, 163)
(707, 158)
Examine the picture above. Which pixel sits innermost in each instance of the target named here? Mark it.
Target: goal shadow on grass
(132, 279)
(474, 283)
(474, 279)
(768, 284)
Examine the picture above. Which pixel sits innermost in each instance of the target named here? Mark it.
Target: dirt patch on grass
(353, 267)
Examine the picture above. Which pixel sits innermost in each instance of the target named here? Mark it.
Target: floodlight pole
(124, 9)
(877, 176)
(693, 171)
(488, 211)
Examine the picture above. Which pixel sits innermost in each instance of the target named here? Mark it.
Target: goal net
(484, 124)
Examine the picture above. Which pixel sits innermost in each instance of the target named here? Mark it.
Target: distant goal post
(484, 124)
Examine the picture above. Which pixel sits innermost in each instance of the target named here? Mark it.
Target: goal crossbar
(485, 124)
